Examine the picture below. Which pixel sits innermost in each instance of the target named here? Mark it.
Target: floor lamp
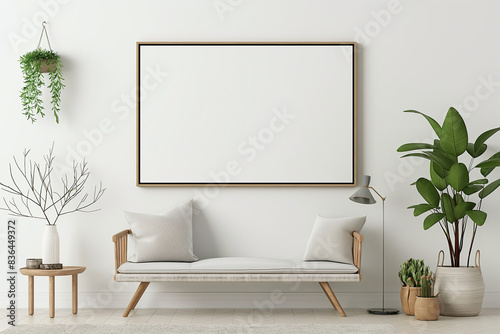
(364, 196)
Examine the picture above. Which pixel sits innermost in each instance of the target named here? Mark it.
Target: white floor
(488, 320)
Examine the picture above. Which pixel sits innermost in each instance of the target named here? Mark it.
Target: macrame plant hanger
(45, 67)
(44, 30)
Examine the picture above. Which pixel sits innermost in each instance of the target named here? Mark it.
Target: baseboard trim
(267, 301)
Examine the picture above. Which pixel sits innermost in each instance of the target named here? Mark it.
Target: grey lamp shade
(363, 194)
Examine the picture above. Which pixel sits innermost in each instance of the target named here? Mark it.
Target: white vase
(50, 245)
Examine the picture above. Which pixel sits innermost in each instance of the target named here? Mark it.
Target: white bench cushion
(238, 265)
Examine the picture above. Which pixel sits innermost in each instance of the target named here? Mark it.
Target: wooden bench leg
(137, 296)
(331, 297)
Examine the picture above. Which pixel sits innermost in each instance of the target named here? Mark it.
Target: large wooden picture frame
(246, 114)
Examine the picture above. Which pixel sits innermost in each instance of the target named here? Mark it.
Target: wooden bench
(310, 271)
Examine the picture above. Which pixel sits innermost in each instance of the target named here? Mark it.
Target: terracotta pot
(408, 298)
(461, 290)
(427, 308)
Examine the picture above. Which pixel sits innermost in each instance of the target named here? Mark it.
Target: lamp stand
(383, 310)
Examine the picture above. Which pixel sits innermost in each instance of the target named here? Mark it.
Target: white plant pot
(461, 290)
(50, 245)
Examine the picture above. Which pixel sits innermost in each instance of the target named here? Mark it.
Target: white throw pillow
(164, 237)
(331, 239)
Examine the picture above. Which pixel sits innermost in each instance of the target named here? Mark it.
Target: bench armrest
(120, 239)
(356, 250)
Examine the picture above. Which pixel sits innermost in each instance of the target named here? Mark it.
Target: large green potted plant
(33, 65)
(453, 195)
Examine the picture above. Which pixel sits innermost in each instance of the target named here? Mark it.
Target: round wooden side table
(65, 271)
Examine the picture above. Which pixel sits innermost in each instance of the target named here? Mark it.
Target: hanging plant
(33, 65)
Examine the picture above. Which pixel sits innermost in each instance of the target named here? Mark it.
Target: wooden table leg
(31, 295)
(74, 282)
(52, 305)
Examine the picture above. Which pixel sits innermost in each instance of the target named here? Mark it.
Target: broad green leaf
(454, 133)
(471, 189)
(489, 163)
(462, 208)
(458, 177)
(421, 208)
(470, 149)
(419, 155)
(447, 207)
(441, 158)
(415, 146)
(432, 219)
(476, 153)
(442, 161)
(435, 125)
(487, 170)
(437, 145)
(458, 199)
(479, 181)
(483, 137)
(480, 150)
(477, 216)
(489, 188)
(428, 191)
(436, 178)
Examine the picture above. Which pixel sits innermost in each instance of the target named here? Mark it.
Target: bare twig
(33, 184)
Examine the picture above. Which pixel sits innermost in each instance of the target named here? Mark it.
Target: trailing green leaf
(33, 80)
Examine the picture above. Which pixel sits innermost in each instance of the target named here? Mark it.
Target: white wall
(425, 55)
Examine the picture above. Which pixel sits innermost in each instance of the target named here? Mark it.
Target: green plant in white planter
(33, 65)
(457, 185)
(453, 194)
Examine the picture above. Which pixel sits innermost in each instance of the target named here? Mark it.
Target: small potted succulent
(410, 275)
(33, 65)
(427, 305)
